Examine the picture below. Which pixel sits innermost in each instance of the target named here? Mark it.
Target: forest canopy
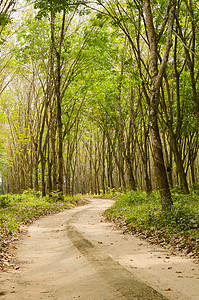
(99, 96)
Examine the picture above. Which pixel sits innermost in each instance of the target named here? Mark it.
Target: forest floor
(75, 254)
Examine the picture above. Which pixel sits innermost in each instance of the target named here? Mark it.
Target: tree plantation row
(100, 96)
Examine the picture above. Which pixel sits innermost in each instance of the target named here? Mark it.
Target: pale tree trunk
(53, 155)
(43, 167)
(91, 166)
(103, 163)
(36, 167)
(109, 166)
(49, 169)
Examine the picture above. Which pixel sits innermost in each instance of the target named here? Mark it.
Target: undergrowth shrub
(142, 213)
(4, 201)
(21, 209)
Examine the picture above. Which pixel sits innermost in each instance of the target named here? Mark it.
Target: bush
(142, 213)
(31, 192)
(4, 201)
(55, 196)
(179, 219)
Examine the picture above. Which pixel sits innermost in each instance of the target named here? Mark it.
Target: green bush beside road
(141, 213)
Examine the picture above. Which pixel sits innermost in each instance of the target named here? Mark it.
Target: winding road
(76, 255)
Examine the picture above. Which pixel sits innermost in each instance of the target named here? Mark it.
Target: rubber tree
(157, 71)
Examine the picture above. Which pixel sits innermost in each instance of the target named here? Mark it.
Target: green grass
(140, 213)
(21, 209)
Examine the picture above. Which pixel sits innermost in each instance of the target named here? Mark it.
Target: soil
(76, 255)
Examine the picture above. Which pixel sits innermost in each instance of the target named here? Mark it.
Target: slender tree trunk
(103, 162)
(49, 170)
(59, 126)
(53, 158)
(36, 165)
(91, 165)
(57, 83)
(179, 164)
(31, 168)
(193, 177)
(43, 183)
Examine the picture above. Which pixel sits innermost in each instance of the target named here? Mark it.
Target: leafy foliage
(4, 201)
(44, 7)
(20, 209)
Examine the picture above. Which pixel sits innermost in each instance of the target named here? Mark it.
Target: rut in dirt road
(111, 271)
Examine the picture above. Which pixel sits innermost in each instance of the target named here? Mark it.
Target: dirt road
(74, 255)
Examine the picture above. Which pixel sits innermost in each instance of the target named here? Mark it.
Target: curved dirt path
(74, 255)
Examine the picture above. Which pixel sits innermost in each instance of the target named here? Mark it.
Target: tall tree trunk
(103, 162)
(156, 79)
(36, 166)
(57, 83)
(60, 145)
(49, 170)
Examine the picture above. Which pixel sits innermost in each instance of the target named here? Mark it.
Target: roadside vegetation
(139, 213)
(16, 210)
